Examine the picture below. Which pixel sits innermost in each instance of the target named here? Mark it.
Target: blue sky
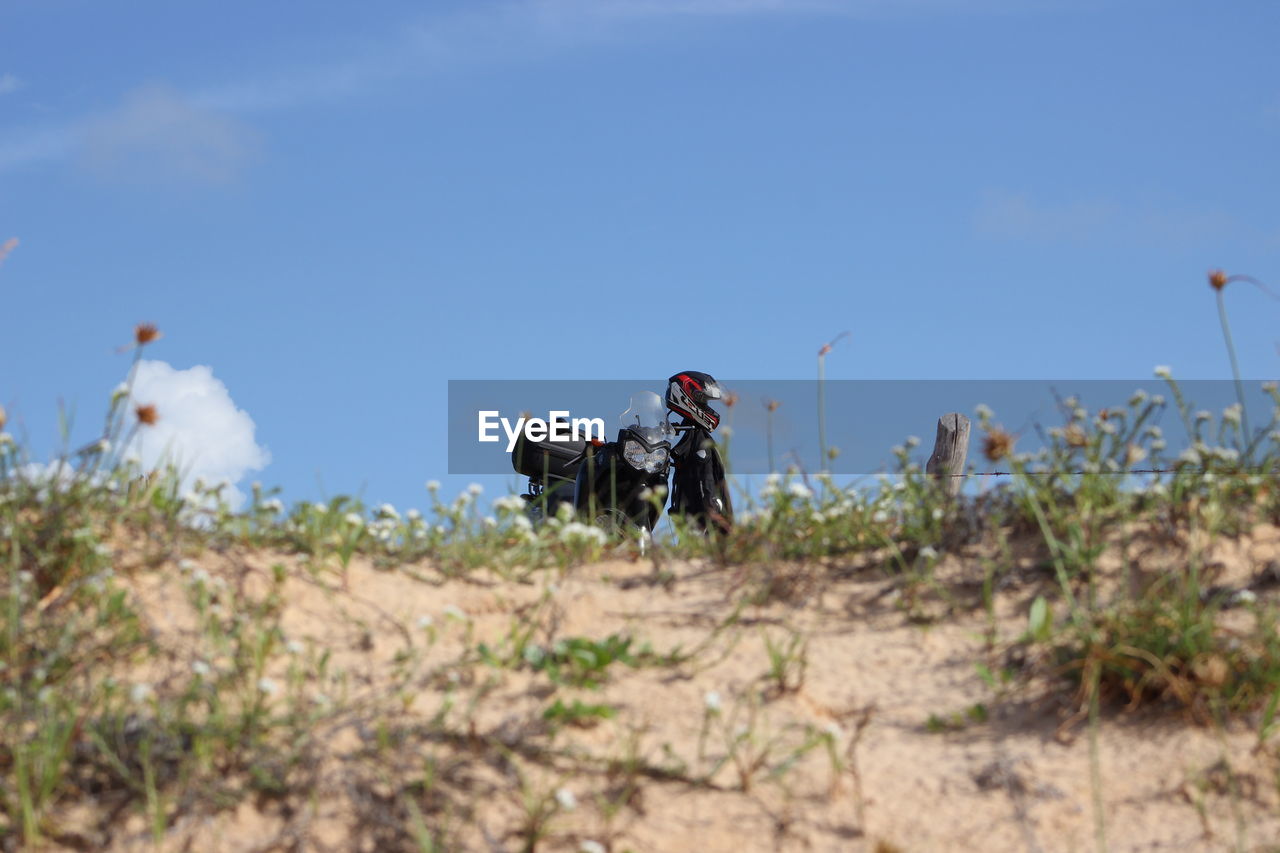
(338, 208)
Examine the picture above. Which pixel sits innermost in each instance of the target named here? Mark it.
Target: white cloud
(36, 144)
(199, 427)
(159, 129)
(1017, 216)
(158, 134)
(724, 8)
(9, 83)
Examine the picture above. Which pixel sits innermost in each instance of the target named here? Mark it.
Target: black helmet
(688, 394)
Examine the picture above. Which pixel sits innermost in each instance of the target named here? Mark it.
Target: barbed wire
(1117, 473)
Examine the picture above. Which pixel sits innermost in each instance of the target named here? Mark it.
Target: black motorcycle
(623, 483)
(617, 484)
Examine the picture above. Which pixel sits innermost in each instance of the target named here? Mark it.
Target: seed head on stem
(147, 414)
(145, 333)
(998, 444)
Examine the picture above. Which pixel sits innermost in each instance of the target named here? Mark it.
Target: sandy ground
(1020, 780)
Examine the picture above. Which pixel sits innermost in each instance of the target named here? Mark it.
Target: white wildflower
(983, 411)
(800, 491)
(433, 486)
(566, 799)
(413, 515)
(1203, 415)
(588, 845)
(508, 503)
(1162, 371)
(658, 492)
(453, 611)
(389, 512)
(268, 686)
(424, 622)
(576, 531)
(711, 701)
(140, 692)
(200, 668)
(354, 519)
(1232, 413)
(929, 552)
(1245, 596)
(475, 489)
(913, 441)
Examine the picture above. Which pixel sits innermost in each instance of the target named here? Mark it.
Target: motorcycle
(616, 484)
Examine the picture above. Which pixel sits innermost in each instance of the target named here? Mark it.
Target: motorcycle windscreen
(647, 418)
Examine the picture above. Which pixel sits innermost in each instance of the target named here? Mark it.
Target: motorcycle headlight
(653, 461)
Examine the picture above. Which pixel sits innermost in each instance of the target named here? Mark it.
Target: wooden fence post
(950, 449)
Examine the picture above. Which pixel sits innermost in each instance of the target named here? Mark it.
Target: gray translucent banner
(864, 419)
